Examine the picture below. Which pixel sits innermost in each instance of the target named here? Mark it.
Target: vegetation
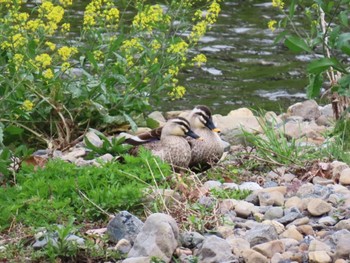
(53, 89)
(325, 38)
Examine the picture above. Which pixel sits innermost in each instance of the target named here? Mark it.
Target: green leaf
(344, 43)
(92, 60)
(131, 121)
(320, 65)
(280, 36)
(13, 130)
(344, 19)
(291, 9)
(297, 44)
(315, 84)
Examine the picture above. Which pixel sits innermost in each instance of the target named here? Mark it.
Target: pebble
(345, 177)
(318, 207)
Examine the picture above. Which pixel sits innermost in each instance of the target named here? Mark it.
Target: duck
(210, 149)
(167, 142)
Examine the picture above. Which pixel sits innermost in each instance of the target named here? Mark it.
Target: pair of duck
(199, 150)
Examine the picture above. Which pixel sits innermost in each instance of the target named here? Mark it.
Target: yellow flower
(199, 59)
(153, 15)
(177, 92)
(66, 2)
(51, 45)
(27, 105)
(180, 47)
(65, 66)
(66, 27)
(18, 40)
(33, 25)
(271, 25)
(278, 3)
(156, 45)
(56, 14)
(43, 60)
(18, 60)
(48, 74)
(213, 13)
(98, 54)
(112, 15)
(66, 52)
(198, 30)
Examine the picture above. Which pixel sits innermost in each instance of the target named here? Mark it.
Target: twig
(94, 204)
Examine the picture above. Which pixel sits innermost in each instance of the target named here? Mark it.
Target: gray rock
(338, 167)
(124, 226)
(268, 249)
(212, 184)
(327, 221)
(261, 234)
(137, 260)
(123, 246)
(191, 239)
(207, 201)
(314, 191)
(290, 215)
(271, 198)
(158, 238)
(238, 245)
(250, 186)
(308, 110)
(273, 213)
(215, 249)
(252, 256)
(344, 224)
(93, 138)
(342, 249)
(43, 238)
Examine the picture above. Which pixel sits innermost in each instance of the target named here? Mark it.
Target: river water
(244, 68)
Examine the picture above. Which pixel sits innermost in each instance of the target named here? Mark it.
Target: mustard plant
(121, 64)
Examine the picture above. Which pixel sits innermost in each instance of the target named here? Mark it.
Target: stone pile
(291, 222)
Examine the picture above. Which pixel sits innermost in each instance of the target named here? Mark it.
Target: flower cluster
(278, 3)
(199, 60)
(272, 25)
(66, 52)
(150, 17)
(100, 13)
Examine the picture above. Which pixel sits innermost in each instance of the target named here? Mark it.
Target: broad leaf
(291, 9)
(314, 87)
(297, 44)
(344, 19)
(131, 121)
(320, 65)
(13, 130)
(344, 43)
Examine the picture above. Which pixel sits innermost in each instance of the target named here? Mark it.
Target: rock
(227, 205)
(157, 238)
(293, 233)
(137, 260)
(343, 224)
(290, 215)
(215, 249)
(123, 246)
(273, 213)
(244, 209)
(158, 117)
(238, 245)
(327, 221)
(338, 167)
(318, 207)
(173, 114)
(230, 186)
(261, 234)
(301, 221)
(294, 201)
(231, 125)
(342, 247)
(327, 111)
(93, 138)
(251, 186)
(252, 256)
(124, 226)
(191, 239)
(268, 249)
(316, 245)
(106, 158)
(281, 189)
(207, 201)
(289, 243)
(319, 257)
(314, 191)
(308, 110)
(345, 177)
(224, 231)
(74, 154)
(306, 230)
(212, 185)
(271, 198)
(278, 226)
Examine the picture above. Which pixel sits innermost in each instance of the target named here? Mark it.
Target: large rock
(318, 207)
(124, 226)
(345, 177)
(261, 234)
(231, 125)
(158, 238)
(268, 249)
(215, 249)
(308, 110)
(252, 256)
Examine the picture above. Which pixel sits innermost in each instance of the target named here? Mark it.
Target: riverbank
(279, 194)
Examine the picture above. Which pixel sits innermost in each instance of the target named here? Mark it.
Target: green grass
(61, 190)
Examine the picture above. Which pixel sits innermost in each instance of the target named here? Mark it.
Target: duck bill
(192, 134)
(211, 126)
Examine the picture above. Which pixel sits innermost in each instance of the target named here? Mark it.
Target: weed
(230, 193)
